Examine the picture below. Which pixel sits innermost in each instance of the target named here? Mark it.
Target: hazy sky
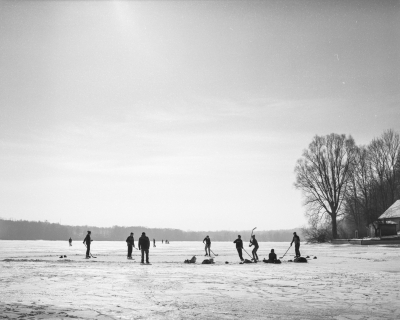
(184, 114)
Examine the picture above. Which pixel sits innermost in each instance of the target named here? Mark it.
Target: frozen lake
(344, 282)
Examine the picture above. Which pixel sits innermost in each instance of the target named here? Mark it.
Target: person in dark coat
(207, 241)
(88, 240)
(130, 242)
(239, 246)
(144, 246)
(70, 242)
(272, 256)
(254, 242)
(296, 240)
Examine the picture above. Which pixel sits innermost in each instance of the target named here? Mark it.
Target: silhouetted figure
(254, 242)
(207, 241)
(296, 240)
(130, 242)
(144, 246)
(154, 242)
(88, 241)
(272, 256)
(70, 242)
(162, 241)
(239, 246)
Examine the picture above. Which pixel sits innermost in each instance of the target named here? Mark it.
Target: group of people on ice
(144, 246)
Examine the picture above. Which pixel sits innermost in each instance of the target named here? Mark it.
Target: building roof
(392, 212)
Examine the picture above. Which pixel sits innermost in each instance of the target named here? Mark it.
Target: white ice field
(344, 282)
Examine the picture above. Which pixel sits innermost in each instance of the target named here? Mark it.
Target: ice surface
(345, 282)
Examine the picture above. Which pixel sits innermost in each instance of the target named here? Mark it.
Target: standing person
(207, 240)
(239, 246)
(296, 240)
(154, 242)
(254, 242)
(144, 246)
(130, 242)
(162, 241)
(88, 241)
(70, 242)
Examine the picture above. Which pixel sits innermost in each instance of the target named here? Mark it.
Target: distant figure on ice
(296, 240)
(162, 241)
(239, 246)
(207, 241)
(130, 242)
(70, 242)
(254, 242)
(154, 242)
(144, 246)
(88, 241)
(272, 256)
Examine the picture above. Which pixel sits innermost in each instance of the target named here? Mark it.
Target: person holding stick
(296, 240)
(88, 240)
(239, 246)
(254, 242)
(207, 241)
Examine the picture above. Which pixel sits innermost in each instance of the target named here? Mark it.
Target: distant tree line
(346, 186)
(37, 230)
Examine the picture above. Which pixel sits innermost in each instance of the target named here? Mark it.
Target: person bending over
(296, 240)
(207, 241)
(254, 242)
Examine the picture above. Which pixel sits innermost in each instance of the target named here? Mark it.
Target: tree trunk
(334, 227)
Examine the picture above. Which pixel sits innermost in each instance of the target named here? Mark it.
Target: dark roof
(392, 212)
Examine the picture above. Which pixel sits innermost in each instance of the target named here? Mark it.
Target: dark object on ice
(226, 262)
(193, 260)
(65, 256)
(300, 259)
(247, 261)
(308, 257)
(277, 261)
(315, 257)
(208, 261)
(290, 261)
(61, 257)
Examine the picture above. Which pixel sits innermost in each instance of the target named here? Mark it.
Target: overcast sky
(184, 114)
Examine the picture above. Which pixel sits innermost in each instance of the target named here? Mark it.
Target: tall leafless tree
(323, 175)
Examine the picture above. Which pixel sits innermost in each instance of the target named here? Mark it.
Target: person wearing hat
(239, 246)
(254, 242)
(144, 246)
(88, 241)
(130, 242)
(296, 240)
(207, 240)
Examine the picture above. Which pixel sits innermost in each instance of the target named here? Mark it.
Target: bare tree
(323, 175)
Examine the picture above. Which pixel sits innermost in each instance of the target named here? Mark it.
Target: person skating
(239, 246)
(254, 242)
(88, 241)
(296, 240)
(144, 246)
(207, 241)
(70, 242)
(130, 242)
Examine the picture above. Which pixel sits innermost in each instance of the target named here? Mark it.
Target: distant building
(389, 221)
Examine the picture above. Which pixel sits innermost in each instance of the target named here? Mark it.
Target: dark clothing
(87, 240)
(239, 243)
(144, 251)
(297, 249)
(254, 252)
(130, 251)
(130, 241)
(272, 257)
(239, 250)
(208, 241)
(254, 243)
(144, 243)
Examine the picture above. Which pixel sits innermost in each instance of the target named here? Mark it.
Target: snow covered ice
(344, 282)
